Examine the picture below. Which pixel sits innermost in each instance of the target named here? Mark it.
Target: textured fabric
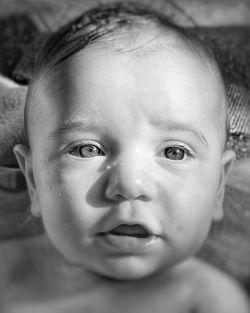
(232, 50)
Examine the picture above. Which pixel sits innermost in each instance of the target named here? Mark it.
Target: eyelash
(76, 148)
(188, 153)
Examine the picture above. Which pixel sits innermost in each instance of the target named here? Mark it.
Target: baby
(125, 162)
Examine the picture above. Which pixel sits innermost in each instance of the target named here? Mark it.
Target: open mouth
(127, 238)
(135, 230)
(130, 230)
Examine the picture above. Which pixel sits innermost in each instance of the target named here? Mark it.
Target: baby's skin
(128, 176)
(52, 285)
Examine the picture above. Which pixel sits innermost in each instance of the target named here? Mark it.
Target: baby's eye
(87, 151)
(176, 153)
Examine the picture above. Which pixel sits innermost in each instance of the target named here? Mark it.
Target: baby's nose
(129, 180)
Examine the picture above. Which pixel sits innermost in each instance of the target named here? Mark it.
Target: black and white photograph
(124, 156)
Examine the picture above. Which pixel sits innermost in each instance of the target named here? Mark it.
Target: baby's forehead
(94, 75)
(95, 68)
(64, 79)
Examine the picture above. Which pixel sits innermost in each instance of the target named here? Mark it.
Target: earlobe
(227, 161)
(228, 158)
(35, 205)
(23, 156)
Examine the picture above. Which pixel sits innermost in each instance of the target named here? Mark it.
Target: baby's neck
(55, 273)
(48, 279)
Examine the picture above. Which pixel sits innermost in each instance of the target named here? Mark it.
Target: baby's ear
(227, 160)
(23, 156)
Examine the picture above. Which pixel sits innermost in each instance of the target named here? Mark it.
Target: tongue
(130, 230)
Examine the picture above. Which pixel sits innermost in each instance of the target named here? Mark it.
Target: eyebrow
(181, 126)
(72, 125)
(84, 125)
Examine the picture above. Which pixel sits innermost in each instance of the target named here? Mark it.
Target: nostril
(122, 196)
(119, 197)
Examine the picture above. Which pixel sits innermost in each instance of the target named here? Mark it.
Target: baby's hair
(113, 26)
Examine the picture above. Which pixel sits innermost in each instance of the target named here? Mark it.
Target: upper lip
(114, 225)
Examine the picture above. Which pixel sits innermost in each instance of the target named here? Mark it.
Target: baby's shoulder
(216, 291)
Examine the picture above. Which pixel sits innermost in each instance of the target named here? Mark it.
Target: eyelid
(178, 144)
(77, 144)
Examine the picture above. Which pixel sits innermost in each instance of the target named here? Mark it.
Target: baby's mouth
(130, 230)
(127, 238)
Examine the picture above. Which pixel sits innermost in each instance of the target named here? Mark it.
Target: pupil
(174, 153)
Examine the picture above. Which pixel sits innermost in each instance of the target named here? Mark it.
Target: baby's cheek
(56, 198)
(65, 220)
(196, 216)
(185, 204)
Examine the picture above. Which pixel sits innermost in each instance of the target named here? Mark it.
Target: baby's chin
(128, 269)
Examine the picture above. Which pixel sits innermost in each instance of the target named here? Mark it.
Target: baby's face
(127, 160)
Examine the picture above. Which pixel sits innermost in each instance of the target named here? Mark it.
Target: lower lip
(127, 244)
